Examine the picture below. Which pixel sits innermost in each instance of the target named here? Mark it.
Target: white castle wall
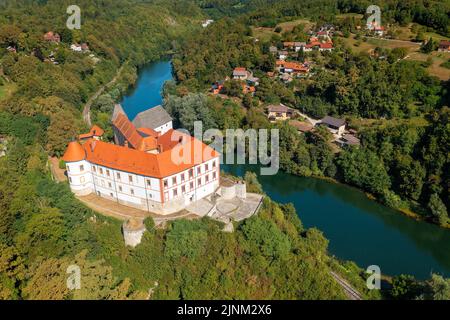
(162, 196)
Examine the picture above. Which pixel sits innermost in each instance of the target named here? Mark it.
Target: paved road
(311, 120)
(87, 106)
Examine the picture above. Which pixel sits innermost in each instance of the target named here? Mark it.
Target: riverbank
(358, 228)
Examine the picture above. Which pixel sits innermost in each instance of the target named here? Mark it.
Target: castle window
(94, 168)
(182, 177)
(112, 196)
(206, 178)
(150, 195)
(82, 180)
(165, 183)
(101, 170)
(183, 189)
(132, 191)
(174, 180)
(149, 183)
(199, 182)
(81, 168)
(130, 178)
(120, 188)
(175, 192)
(191, 185)
(109, 184)
(214, 164)
(118, 175)
(206, 167)
(214, 175)
(107, 173)
(199, 170)
(191, 173)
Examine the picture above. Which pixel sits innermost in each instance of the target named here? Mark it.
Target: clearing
(265, 34)
(435, 68)
(6, 90)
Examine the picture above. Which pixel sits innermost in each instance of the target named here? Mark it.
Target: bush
(62, 164)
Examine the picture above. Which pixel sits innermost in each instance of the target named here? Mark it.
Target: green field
(6, 90)
(265, 34)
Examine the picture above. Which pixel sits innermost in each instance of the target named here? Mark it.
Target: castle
(151, 166)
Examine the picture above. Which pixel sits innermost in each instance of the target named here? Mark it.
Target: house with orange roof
(52, 37)
(146, 169)
(294, 68)
(240, 73)
(444, 46)
(95, 133)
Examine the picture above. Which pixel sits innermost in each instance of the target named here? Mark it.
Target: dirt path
(57, 173)
(87, 106)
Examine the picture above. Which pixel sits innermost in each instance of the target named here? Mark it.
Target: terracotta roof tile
(147, 164)
(74, 152)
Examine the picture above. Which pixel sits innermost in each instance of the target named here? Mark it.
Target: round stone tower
(78, 169)
(133, 230)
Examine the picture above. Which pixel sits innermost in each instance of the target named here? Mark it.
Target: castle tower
(78, 169)
(133, 230)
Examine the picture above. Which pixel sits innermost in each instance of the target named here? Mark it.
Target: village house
(444, 46)
(79, 47)
(140, 171)
(321, 46)
(295, 46)
(292, 68)
(282, 55)
(376, 29)
(327, 46)
(348, 140)
(301, 126)
(207, 23)
(240, 73)
(279, 112)
(52, 37)
(95, 133)
(217, 87)
(334, 125)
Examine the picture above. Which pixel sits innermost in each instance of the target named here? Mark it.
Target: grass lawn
(6, 90)
(372, 43)
(349, 15)
(435, 69)
(265, 34)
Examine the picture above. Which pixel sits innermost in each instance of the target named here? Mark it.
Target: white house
(157, 182)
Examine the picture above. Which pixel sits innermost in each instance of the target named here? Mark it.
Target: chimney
(126, 143)
(160, 148)
(93, 143)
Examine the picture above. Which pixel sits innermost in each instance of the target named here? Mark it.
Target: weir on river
(359, 229)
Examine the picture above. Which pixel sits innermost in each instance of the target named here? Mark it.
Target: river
(359, 229)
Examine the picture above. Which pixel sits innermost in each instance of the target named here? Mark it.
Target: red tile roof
(327, 45)
(74, 152)
(151, 165)
(95, 131)
(128, 130)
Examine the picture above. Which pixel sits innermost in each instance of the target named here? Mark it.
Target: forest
(44, 228)
(399, 110)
